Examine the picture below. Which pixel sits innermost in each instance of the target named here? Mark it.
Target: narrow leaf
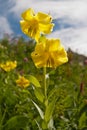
(38, 125)
(49, 110)
(83, 121)
(34, 81)
(39, 95)
(39, 110)
(50, 124)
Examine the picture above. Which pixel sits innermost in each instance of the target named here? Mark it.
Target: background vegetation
(70, 80)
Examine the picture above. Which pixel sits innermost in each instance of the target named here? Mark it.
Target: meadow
(68, 83)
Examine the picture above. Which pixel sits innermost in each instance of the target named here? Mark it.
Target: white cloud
(73, 12)
(76, 39)
(4, 27)
(72, 9)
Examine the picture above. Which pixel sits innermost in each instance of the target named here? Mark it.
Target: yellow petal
(46, 28)
(30, 28)
(44, 18)
(22, 82)
(24, 26)
(28, 14)
(40, 48)
(37, 36)
(39, 59)
(49, 54)
(52, 44)
(60, 57)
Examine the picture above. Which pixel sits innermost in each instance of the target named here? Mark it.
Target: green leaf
(26, 92)
(50, 124)
(83, 121)
(64, 119)
(16, 122)
(34, 81)
(39, 110)
(38, 125)
(39, 95)
(83, 109)
(52, 92)
(84, 128)
(44, 125)
(49, 110)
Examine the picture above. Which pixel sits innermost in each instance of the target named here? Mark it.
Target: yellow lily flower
(9, 65)
(49, 53)
(35, 24)
(22, 82)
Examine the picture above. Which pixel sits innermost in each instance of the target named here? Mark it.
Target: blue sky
(70, 18)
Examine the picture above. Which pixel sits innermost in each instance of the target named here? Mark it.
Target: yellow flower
(35, 24)
(49, 53)
(9, 65)
(22, 82)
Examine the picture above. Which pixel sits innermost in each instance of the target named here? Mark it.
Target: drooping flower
(35, 24)
(9, 65)
(22, 82)
(49, 53)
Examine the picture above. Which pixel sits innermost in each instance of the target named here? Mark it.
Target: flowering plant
(48, 53)
(37, 91)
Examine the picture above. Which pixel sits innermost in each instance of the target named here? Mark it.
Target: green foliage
(16, 123)
(49, 110)
(66, 103)
(34, 81)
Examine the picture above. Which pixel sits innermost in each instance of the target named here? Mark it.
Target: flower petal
(39, 59)
(30, 29)
(44, 18)
(49, 54)
(28, 14)
(52, 44)
(23, 82)
(24, 26)
(46, 28)
(60, 57)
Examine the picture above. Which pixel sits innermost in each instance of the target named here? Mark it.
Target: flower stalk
(45, 86)
(48, 53)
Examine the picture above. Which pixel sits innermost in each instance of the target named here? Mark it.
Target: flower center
(33, 26)
(50, 61)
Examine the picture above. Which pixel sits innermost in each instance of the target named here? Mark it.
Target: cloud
(71, 9)
(70, 17)
(72, 12)
(76, 39)
(5, 6)
(4, 27)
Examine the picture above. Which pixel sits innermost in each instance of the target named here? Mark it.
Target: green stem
(2, 119)
(45, 86)
(45, 89)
